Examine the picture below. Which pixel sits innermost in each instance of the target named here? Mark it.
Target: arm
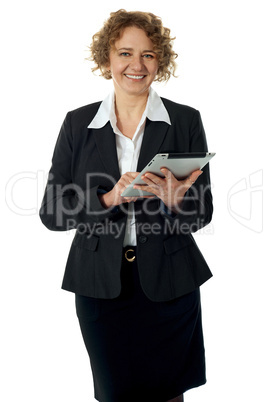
(65, 204)
(190, 200)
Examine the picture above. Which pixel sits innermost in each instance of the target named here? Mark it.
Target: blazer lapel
(154, 134)
(105, 141)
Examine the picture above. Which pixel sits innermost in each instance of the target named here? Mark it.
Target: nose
(137, 63)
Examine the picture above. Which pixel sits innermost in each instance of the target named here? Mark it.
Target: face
(133, 63)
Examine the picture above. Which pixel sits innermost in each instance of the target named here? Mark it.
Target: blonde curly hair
(104, 40)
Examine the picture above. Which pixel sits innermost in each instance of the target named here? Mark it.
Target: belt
(129, 253)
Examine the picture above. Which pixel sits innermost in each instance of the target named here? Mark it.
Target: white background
(222, 71)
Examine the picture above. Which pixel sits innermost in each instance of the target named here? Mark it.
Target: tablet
(180, 164)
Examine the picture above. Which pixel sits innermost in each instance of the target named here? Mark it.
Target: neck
(130, 106)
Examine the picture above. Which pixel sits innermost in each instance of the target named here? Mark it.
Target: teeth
(135, 77)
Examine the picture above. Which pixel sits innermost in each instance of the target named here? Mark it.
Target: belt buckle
(128, 258)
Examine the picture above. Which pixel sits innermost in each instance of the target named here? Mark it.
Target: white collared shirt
(128, 150)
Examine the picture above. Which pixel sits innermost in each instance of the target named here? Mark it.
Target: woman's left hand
(170, 190)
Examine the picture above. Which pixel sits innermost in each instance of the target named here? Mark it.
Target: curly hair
(104, 40)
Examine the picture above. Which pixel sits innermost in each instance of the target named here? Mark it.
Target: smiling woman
(161, 41)
(133, 62)
(133, 265)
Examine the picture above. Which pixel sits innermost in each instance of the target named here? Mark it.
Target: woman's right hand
(113, 197)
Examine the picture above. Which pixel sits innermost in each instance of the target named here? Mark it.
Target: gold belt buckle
(130, 259)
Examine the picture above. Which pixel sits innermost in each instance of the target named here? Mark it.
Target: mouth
(135, 77)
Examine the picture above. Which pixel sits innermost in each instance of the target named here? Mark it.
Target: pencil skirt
(142, 350)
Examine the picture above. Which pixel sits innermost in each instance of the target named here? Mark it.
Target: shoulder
(84, 115)
(178, 111)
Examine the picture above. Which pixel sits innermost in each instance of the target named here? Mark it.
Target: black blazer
(84, 164)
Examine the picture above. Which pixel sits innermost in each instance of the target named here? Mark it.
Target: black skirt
(142, 350)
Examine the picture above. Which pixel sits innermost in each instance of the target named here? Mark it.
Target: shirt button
(143, 239)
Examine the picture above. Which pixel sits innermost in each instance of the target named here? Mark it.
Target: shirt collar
(155, 110)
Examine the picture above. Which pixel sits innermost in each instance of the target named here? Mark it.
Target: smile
(135, 77)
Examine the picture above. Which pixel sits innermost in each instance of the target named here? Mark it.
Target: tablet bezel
(180, 164)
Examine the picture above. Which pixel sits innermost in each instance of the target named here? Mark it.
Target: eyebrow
(130, 48)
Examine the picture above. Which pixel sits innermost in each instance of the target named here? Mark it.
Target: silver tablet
(180, 164)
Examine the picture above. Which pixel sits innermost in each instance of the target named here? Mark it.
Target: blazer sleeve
(65, 204)
(196, 209)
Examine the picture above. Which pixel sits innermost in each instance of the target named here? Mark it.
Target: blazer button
(143, 239)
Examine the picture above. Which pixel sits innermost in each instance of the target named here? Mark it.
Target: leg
(177, 399)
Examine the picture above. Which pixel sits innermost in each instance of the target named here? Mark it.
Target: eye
(125, 54)
(148, 56)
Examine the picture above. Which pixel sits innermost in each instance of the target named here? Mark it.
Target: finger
(127, 179)
(129, 199)
(168, 174)
(151, 178)
(131, 175)
(154, 189)
(194, 176)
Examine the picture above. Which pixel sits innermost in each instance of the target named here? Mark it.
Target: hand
(113, 197)
(170, 190)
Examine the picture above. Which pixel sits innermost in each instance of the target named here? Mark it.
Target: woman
(133, 263)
